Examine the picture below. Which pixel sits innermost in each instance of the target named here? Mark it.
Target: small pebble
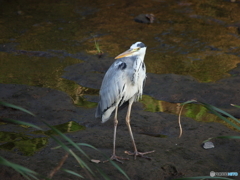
(208, 145)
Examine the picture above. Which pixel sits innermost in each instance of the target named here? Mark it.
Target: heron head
(136, 49)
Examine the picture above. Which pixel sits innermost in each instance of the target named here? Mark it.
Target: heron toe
(139, 154)
(116, 158)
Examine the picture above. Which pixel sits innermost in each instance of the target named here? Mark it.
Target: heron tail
(98, 113)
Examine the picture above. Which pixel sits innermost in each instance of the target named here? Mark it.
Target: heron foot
(116, 158)
(139, 154)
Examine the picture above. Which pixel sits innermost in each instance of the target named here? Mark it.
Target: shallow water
(197, 38)
(196, 111)
(40, 39)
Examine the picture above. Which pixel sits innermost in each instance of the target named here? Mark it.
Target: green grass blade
(87, 145)
(224, 118)
(225, 113)
(67, 139)
(103, 174)
(113, 163)
(189, 102)
(223, 137)
(22, 123)
(16, 107)
(97, 45)
(119, 169)
(21, 169)
(216, 111)
(27, 172)
(73, 173)
(79, 144)
(79, 160)
(235, 105)
(228, 137)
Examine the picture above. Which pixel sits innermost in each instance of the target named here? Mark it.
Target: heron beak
(124, 54)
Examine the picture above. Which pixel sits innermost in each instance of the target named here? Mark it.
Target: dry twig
(51, 174)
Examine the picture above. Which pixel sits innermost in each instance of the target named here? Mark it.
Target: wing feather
(112, 89)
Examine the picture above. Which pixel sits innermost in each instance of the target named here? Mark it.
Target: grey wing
(112, 90)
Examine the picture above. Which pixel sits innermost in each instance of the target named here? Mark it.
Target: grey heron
(123, 82)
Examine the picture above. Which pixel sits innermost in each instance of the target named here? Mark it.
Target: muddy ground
(174, 157)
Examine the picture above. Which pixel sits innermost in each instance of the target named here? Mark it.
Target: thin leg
(135, 153)
(115, 132)
(114, 157)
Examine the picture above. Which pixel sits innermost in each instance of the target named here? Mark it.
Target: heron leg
(114, 157)
(135, 153)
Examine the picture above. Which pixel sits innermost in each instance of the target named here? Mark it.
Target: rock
(145, 18)
(208, 145)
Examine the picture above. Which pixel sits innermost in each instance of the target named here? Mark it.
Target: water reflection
(21, 143)
(77, 92)
(28, 143)
(194, 111)
(43, 72)
(70, 126)
(197, 38)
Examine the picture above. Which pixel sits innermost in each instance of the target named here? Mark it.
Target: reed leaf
(73, 173)
(21, 169)
(16, 107)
